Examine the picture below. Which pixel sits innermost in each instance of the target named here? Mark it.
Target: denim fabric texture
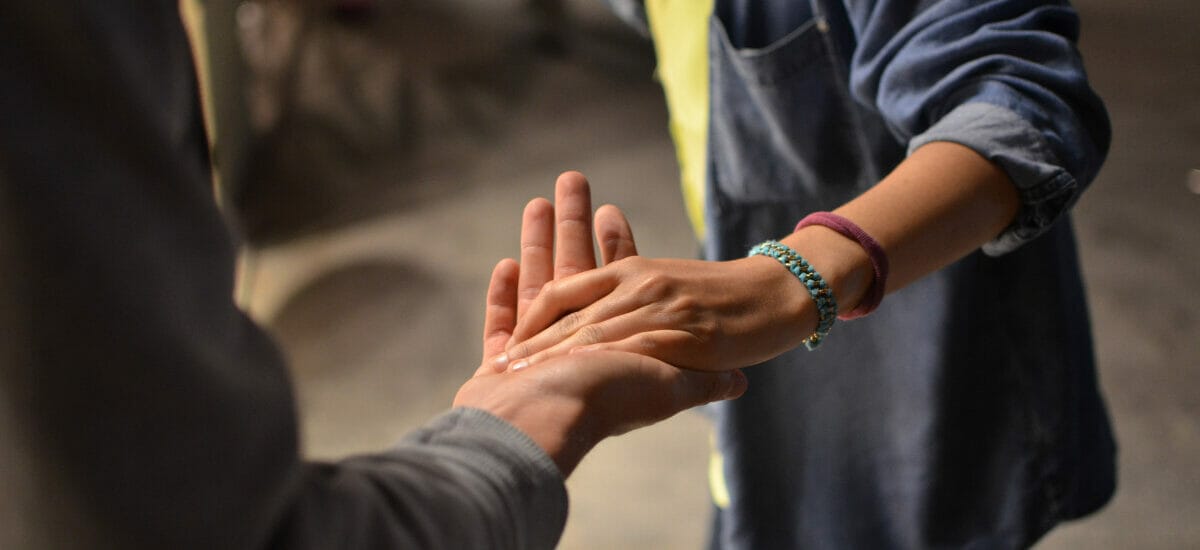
(965, 412)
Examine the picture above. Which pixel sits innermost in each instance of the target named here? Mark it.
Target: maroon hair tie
(878, 257)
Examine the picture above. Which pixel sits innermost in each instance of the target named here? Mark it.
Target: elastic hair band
(826, 305)
(879, 260)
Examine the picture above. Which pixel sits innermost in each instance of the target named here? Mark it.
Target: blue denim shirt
(965, 411)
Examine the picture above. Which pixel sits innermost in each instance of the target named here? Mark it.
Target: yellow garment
(680, 30)
(716, 475)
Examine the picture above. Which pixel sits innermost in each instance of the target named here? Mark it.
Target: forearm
(464, 480)
(937, 206)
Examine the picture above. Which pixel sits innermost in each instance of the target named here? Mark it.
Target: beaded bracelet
(826, 305)
(879, 259)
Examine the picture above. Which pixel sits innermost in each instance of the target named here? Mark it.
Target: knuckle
(591, 334)
(705, 329)
(550, 288)
(683, 310)
(646, 344)
(632, 266)
(577, 221)
(519, 351)
(567, 324)
(653, 286)
(528, 293)
(614, 242)
(636, 263)
(686, 303)
(566, 270)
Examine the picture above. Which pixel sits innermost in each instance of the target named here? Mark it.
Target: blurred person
(139, 408)
(926, 151)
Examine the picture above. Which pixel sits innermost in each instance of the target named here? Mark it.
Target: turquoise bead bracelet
(826, 305)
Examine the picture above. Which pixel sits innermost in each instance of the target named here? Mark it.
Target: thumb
(679, 391)
(626, 391)
(698, 388)
(500, 310)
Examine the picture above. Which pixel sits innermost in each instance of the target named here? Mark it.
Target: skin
(937, 206)
(568, 404)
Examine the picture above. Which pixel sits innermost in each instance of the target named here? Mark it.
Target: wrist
(555, 423)
(793, 312)
(565, 441)
(841, 261)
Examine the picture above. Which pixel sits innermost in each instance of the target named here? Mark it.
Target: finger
(537, 252)
(600, 323)
(559, 298)
(677, 347)
(698, 388)
(500, 310)
(573, 225)
(613, 234)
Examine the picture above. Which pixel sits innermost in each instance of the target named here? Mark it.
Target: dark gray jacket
(139, 408)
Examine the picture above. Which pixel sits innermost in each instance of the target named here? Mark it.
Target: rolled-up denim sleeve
(1002, 77)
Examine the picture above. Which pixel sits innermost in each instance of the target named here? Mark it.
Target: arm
(939, 204)
(156, 413)
(1001, 77)
(569, 403)
(1003, 133)
(152, 413)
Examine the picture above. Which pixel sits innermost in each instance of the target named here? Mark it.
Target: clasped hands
(574, 353)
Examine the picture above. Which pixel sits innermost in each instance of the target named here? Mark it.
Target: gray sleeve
(138, 405)
(465, 480)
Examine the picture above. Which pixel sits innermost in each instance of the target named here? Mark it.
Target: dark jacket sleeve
(158, 413)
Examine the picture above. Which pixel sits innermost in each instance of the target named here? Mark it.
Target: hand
(689, 313)
(539, 265)
(568, 404)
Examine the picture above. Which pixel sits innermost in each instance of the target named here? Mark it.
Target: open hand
(689, 313)
(568, 403)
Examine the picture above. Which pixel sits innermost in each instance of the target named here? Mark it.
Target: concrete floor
(397, 152)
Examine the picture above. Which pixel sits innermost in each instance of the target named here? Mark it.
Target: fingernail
(500, 361)
(520, 365)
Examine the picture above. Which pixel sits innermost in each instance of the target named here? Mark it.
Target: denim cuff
(1002, 136)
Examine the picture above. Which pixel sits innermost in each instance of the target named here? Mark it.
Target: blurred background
(377, 155)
